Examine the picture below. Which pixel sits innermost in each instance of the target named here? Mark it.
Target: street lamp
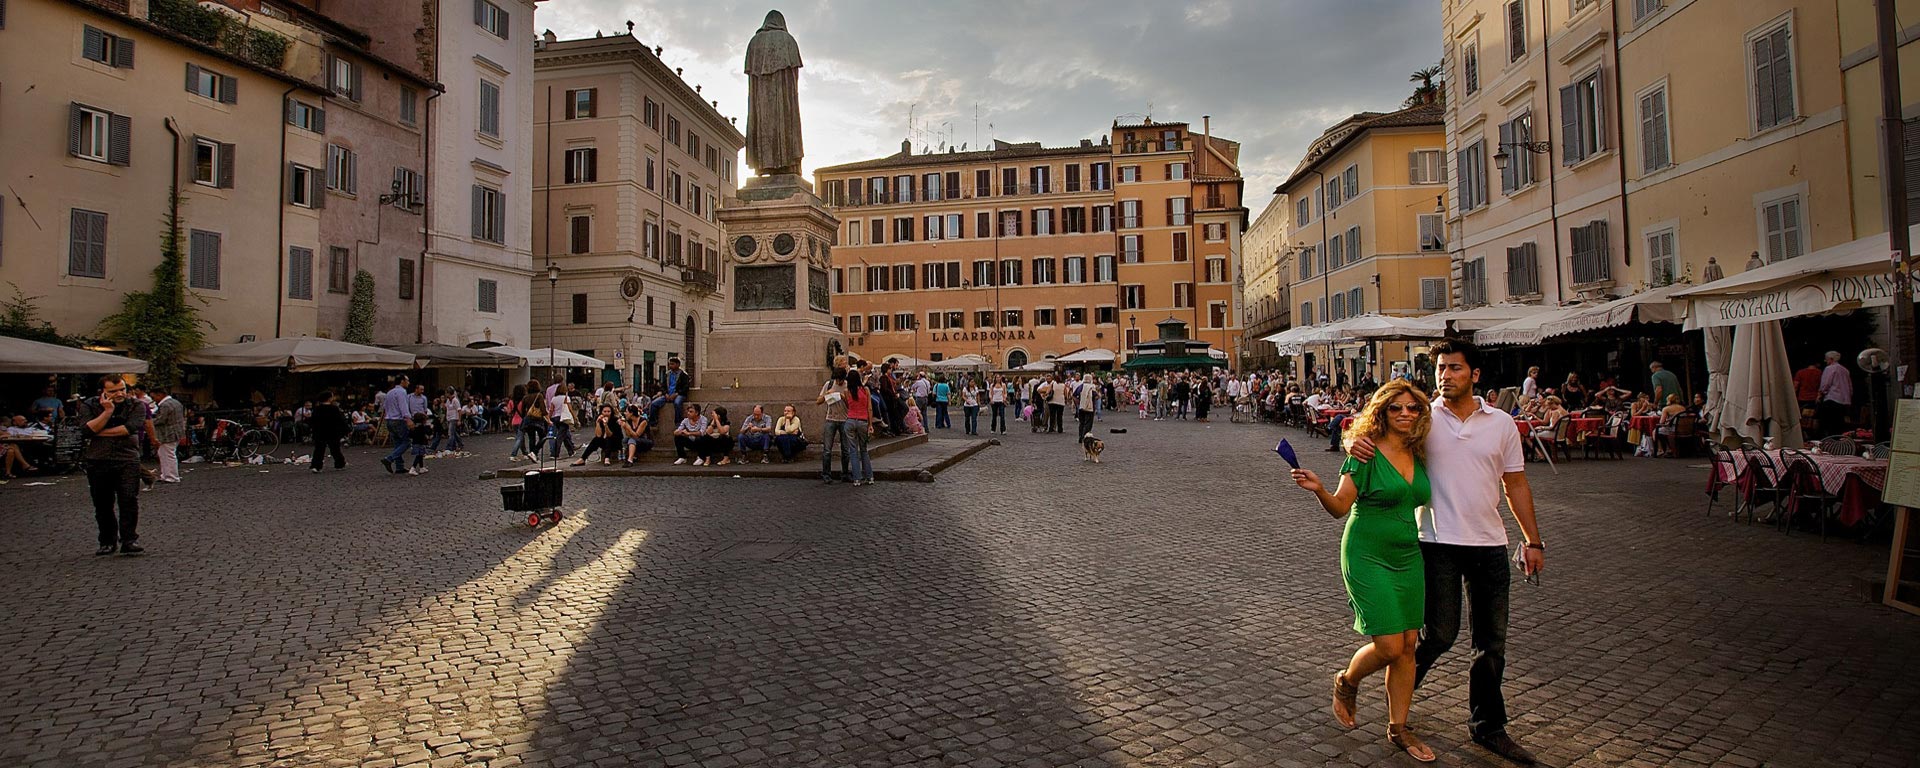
(553, 299)
(1501, 158)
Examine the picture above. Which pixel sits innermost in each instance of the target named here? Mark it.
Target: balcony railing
(1144, 146)
(699, 280)
(1022, 190)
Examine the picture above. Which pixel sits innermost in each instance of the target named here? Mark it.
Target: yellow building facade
(1367, 234)
(1264, 283)
(1023, 252)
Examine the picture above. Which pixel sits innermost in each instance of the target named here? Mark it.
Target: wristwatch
(1538, 546)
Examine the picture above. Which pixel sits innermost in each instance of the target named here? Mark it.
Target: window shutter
(75, 118)
(286, 105)
(1461, 188)
(479, 231)
(226, 165)
(1782, 76)
(593, 164)
(193, 78)
(1912, 162)
(506, 27)
(1516, 30)
(567, 176)
(120, 140)
(319, 120)
(123, 53)
(1510, 175)
(229, 89)
(593, 102)
(317, 189)
(94, 44)
(500, 218)
(3, 14)
(1789, 227)
(353, 83)
(77, 231)
(1353, 245)
(480, 12)
(1351, 187)
(1570, 149)
(1763, 103)
(1649, 159)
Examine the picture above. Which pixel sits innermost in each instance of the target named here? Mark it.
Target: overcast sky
(1272, 73)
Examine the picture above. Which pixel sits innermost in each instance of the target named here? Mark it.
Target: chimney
(1206, 132)
(548, 37)
(1086, 142)
(906, 146)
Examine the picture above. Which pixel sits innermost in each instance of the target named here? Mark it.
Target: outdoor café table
(1857, 482)
(1579, 428)
(1647, 423)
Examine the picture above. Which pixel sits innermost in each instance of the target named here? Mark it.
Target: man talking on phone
(1473, 456)
(112, 455)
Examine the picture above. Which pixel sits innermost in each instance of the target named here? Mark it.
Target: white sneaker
(679, 461)
(413, 472)
(763, 459)
(422, 470)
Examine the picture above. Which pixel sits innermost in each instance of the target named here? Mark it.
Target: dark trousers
(998, 423)
(1484, 571)
(1832, 416)
(1086, 424)
(607, 446)
(325, 445)
(108, 482)
(1056, 416)
(940, 419)
(684, 444)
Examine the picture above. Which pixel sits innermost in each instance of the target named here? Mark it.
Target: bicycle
(233, 441)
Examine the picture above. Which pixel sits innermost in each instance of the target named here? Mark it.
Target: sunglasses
(1402, 408)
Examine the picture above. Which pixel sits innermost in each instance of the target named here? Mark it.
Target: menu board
(1903, 467)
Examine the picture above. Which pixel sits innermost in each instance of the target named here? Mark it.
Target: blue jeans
(789, 445)
(998, 423)
(940, 417)
(653, 408)
(562, 433)
(1487, 577)
(972, 416)
(835, 429)
(858, 435)
(519, 443)
(454, 442)
(757, 441)
(397, 428)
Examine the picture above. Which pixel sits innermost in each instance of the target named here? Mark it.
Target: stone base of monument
(916, 458)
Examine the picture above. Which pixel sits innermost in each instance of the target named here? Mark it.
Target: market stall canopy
(548, 357)
(1174, 361)
(1652, 306)
(449, 356)
(1837, 278)
(1480, 318)
(1088, 356)
(1521, 331)
(301, 354)
(23, 356)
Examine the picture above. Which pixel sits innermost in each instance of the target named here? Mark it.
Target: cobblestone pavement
(1178, 605)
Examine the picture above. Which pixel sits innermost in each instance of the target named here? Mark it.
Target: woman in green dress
(1380, 551)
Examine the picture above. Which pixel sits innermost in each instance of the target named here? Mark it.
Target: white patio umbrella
(1760, 386)
(1387, 327)
(23, 356)
(1088, 356)
(548, 357)
(301, 354)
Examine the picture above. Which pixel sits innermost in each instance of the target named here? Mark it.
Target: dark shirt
(129, 413)
(420, 434)
(327, 422)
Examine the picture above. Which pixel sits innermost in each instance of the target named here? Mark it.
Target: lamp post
(553, 302)
(1501, 158)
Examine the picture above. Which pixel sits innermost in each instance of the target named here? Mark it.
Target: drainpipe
(426, 229)
(1553, 189)
(173, 182)
(1620, 149)
(280, 233)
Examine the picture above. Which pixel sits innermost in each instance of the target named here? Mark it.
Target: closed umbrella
(1760, 387)
(1719, 347)
(449, 356)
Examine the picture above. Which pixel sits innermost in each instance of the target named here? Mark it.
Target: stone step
(897, 459)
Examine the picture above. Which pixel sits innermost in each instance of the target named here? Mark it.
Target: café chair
(1801, 483)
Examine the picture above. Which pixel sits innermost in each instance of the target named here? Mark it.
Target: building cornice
(638, 54)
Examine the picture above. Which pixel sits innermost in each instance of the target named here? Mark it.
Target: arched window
(1016, 358)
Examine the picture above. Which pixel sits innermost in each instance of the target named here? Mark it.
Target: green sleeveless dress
(1380, 551)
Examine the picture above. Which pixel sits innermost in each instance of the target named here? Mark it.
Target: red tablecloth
(1526, 427)
(1580, 427)
(1645, 423)
(1856, 481)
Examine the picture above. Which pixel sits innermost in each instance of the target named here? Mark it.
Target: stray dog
(1093, 446)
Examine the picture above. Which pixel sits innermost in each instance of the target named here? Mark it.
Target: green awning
(1181, 361)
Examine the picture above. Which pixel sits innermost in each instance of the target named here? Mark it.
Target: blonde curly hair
(1371, 421)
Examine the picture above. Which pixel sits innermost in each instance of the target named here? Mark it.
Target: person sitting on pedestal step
(788, 435)
(634, 427)
(756, 434)
(692, 426)
(716, 446)
(677, 387)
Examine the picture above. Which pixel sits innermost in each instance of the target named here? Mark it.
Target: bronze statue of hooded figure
(773, 99)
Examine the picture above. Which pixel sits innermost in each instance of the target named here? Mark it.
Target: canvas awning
(959, 362)
(1088, 356)
(1521, 331)
(24, 356)
(449, 356)
(1480, 318)
(1385, 328)
(301, 354)
(1837, 278)
(1652, 306)
(548, 357)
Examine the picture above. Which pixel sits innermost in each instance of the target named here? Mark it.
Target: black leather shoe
(1503, 745)
(131, 548)
(105, 549)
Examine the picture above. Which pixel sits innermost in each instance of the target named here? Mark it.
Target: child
(914, 424)
(421, 434)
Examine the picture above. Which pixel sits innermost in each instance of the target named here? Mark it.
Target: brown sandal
(1344, 700)
(1400, 735)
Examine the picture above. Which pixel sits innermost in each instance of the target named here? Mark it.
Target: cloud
(1273, 74)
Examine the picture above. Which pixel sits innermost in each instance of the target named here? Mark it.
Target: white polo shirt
(1465, 460)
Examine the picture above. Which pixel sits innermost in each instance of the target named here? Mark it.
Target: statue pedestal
(775, 345)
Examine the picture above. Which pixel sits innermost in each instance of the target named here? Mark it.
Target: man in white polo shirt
(1473, 455)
